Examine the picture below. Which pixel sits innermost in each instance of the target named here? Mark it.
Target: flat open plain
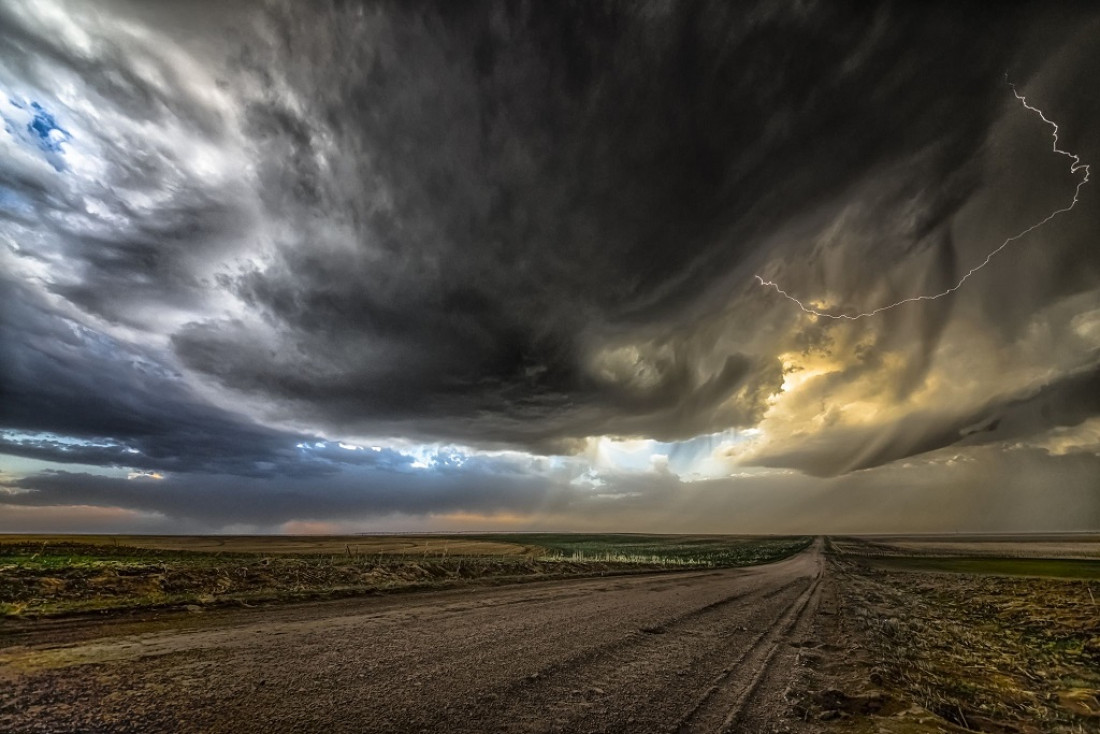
(851, 635)
(689, 652)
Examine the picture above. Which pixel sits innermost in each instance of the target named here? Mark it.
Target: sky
(285, 267)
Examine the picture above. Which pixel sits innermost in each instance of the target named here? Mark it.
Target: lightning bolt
(1076, 166)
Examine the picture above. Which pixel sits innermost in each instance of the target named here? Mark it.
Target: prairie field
(52, 575)
(432, 545)
(1066, 545)
(987, 634)
(626, 633)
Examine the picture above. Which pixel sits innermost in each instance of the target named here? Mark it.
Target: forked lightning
(1075, 167)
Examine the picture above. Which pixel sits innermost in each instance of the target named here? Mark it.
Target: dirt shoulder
(910, 651)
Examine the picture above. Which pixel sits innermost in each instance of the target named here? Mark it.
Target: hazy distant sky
(339, 266)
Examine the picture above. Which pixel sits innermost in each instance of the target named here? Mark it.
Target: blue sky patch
(13, 201)
(42, 131)
(44, 126)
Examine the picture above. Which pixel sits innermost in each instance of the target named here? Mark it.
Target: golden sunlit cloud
(144, 475)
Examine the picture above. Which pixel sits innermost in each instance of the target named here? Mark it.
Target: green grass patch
(703, 551)
(1058, 568)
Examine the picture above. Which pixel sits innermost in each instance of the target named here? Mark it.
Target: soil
(685, 652)
(905, 651)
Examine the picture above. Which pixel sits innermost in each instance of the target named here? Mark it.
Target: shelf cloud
(340, 261)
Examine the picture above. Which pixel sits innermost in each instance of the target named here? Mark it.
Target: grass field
(689, 550)
(1057, 568)
(1040, 546)
(49, 575)
(400, 545)
(983, 633)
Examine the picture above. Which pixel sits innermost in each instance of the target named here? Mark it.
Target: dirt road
(703, 651)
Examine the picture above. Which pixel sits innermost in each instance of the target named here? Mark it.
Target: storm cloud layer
(511, 246)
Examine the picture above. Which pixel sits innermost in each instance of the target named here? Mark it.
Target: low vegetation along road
(564, 634)
(694, 651)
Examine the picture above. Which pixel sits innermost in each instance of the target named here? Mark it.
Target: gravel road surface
(701, 651)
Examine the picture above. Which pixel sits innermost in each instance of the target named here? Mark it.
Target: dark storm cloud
(217, 501)
(135, 224)
(525, 225)
(518, 183)
(925, 496)
(121, 408)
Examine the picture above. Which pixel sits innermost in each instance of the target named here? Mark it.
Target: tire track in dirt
(636, 682)
(757, 659)
(581, 631)
(617, 665)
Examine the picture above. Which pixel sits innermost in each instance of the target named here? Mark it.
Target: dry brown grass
(985, 653)
(49, 575)
(364, 545)
(1076, 545)
(66, 584)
